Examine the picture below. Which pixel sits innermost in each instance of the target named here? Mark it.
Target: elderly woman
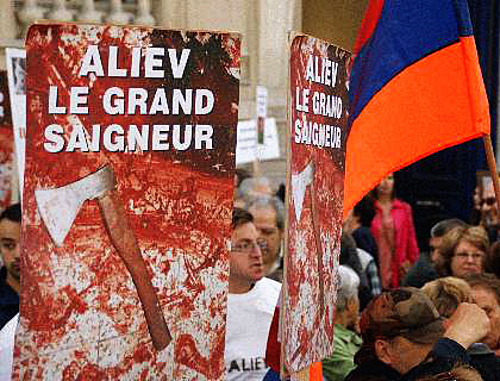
(463, 251)
(346, 342)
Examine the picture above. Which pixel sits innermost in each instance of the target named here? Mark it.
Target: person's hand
(468, 325)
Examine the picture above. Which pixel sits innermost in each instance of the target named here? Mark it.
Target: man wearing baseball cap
(404, 337)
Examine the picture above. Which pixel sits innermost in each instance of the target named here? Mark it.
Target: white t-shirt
(249, 317)
(7, 336)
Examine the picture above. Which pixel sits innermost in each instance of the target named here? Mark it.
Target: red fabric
(386, 247)
(316, 372)
(273, 349)
(369, 24)
(405, 241)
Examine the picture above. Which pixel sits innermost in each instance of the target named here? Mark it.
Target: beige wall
(8, 29)
(336, 21)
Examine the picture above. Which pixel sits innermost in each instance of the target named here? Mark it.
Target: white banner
(271, 147)
(247, 149)
(246, 144)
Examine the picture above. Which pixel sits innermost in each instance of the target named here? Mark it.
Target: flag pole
(490, 158)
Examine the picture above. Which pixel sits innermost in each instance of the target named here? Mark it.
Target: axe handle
(321, 270)
(123, 240)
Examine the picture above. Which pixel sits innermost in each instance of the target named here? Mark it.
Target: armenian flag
(415, 88)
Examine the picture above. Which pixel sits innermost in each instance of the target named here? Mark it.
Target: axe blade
(58, 208)
(300, 182)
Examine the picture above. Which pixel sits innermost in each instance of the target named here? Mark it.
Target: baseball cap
(405, 312)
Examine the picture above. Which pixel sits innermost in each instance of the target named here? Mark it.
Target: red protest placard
(6, 144)
(128, 202)
(317, 124)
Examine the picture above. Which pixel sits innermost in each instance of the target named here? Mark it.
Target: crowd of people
(438, 315)
(401, 314)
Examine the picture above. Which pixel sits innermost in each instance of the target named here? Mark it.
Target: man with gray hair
(346, 342)
(269, 219)
(254, 187)
(424, 270)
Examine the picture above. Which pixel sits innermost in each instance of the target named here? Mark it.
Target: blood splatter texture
(83, 314)
(318, 116)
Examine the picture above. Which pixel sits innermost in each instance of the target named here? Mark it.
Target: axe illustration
(300, 182)
(59, 207)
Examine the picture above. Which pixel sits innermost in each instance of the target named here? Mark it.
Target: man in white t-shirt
(251, 302)
(7, 335)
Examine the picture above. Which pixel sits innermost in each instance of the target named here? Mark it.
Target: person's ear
(353, 313)
(446, 324)
(383, 351)
(352, 306)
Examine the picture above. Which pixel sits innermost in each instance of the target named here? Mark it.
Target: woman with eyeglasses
(463, 251)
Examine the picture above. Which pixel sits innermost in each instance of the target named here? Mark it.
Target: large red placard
(128, 201)
(318, 111)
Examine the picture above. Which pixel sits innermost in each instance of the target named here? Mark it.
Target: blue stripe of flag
(407, 31)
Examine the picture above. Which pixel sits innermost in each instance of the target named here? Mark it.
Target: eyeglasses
(8, 245)
(248, 246)
(474, 256)
(490, 201)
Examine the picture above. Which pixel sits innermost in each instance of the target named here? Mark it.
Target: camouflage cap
(406, 312)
